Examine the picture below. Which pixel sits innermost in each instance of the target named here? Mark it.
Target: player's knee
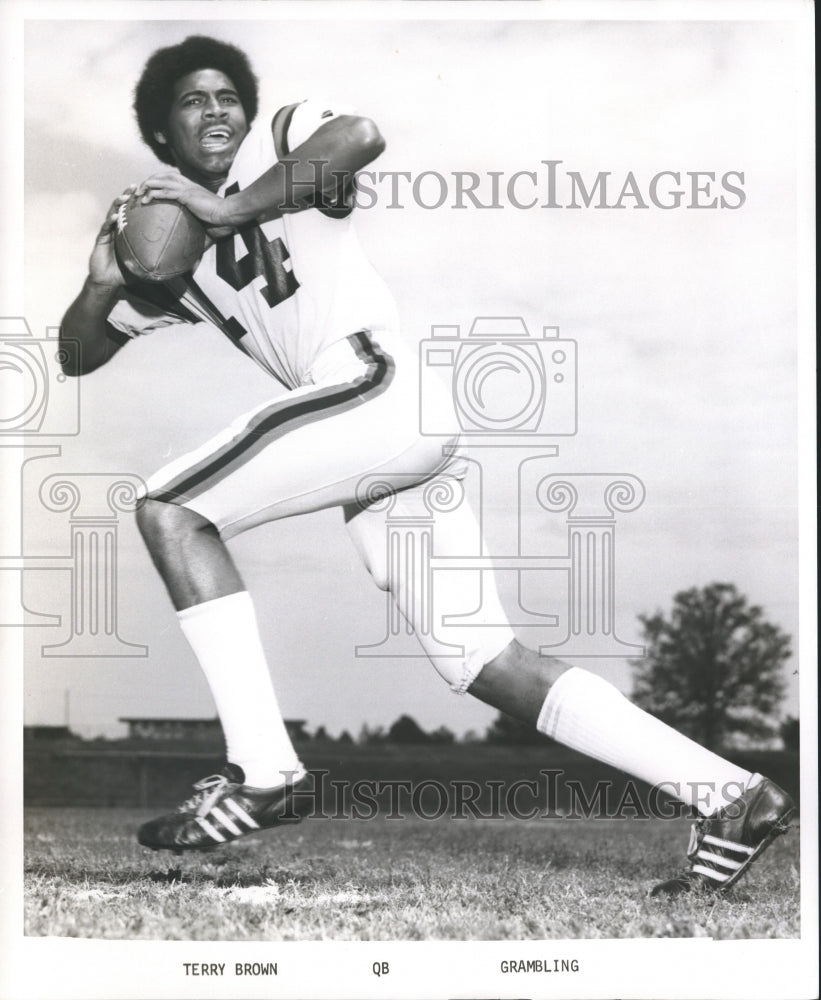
(160, 522)
(153, 520)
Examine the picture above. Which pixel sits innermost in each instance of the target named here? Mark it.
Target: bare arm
(326, 161)
(86, 320)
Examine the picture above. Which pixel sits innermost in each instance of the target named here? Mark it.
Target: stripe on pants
(281, 417)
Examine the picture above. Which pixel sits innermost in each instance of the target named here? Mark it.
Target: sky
(685, 323)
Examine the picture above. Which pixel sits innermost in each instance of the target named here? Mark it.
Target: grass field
(380, 879)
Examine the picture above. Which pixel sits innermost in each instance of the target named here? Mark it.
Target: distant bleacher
(191, 731)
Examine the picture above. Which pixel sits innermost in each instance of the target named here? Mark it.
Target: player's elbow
(366, 137)
(76, 369)
(71, 364)
(71, 370)
(77, 356)
(370, 137)
(69, 355)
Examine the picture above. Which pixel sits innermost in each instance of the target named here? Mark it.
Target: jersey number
(264, 257)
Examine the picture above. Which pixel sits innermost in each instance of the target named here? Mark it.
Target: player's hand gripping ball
(158, 241)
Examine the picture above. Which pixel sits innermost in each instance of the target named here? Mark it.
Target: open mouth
(215, 138)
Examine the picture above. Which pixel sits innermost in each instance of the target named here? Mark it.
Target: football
(158, 240)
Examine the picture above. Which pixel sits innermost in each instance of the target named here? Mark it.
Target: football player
(287, 281)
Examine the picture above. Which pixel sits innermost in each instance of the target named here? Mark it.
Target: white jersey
(282, 290)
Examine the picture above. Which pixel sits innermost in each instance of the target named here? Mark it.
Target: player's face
(206, 125)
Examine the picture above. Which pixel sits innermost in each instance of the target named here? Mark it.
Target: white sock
(588, 714)
(225, 638)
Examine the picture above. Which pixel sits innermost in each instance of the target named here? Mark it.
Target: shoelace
(208, 791)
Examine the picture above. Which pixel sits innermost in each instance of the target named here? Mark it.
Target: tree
(506, 730)
(368, 735)
(407, 730)
(713, 669)
(790, 732)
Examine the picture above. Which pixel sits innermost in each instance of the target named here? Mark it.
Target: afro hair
(153, 93)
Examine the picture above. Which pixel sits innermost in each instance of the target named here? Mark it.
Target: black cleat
(222, 808)
(723, 846)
